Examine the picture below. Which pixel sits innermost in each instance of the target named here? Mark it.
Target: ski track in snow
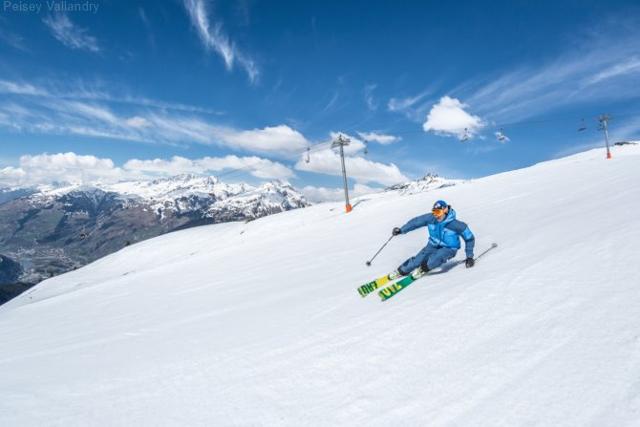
(261, 324)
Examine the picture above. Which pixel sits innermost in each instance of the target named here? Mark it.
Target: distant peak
(430, 181)
(187, 178)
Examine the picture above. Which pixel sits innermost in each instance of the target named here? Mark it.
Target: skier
(444, 241)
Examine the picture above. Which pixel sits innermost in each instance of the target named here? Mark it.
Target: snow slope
(260, 323)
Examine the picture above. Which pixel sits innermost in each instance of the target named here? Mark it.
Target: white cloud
(12, 176)
(70, 35)
(176, 166)
(362, 170)
(271, 139)
(62, 167)
(324, 194)
(72, 168)
(256, 166)
(65, 161)
(448, 118)
(214, 38)
(380, 138)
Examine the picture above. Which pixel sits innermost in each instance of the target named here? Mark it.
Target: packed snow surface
(261, 324)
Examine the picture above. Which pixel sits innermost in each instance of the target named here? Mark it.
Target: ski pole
(379, 250)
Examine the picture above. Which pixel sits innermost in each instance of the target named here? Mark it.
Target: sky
(251, 90)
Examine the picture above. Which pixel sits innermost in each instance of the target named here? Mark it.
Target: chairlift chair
(83, 233)
(583, 126)
(465, 136)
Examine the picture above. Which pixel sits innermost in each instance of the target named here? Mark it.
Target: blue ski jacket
(444, 234)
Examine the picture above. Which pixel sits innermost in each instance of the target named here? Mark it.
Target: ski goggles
(437, 212)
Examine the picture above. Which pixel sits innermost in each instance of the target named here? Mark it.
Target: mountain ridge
(56, 228)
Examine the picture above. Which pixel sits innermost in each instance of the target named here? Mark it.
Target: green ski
(393, 289)
(369, 287)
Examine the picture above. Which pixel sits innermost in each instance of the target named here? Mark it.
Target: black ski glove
(396, 231)
(469, 262)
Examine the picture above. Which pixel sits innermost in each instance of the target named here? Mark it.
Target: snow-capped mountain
(427, 183)
(260, 323)
(184, 194)
(52, 229)
(180, 194)
(217, 200)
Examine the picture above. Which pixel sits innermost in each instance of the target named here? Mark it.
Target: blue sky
(241, 88)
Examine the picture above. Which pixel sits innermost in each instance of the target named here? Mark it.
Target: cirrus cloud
(69, 34)
(31, 109)
(213, 37)
(579, 75)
